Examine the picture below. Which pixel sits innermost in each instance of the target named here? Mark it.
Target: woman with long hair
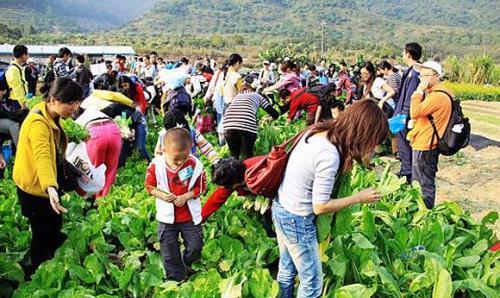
(329, 149)
(374, 86)
(134, 91)
(228, 84)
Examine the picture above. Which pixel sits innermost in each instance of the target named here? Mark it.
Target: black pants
(425, 167)
(405, 155)
(240, 143)
(175, 264)
(45, 227)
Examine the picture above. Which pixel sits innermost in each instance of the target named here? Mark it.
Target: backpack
(49, 77)
(457, 133)
(265, 175)
(3, 79)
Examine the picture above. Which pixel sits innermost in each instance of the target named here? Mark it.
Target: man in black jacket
(107, 81)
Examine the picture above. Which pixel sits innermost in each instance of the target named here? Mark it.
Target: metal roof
(54, 49)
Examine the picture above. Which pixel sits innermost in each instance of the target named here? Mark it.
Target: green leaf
(10, 270)
(361, 241)
(421, 282)
(479, 248)
(78, 271)
(467, 262)
(125, 277)
(490, 218)
(232, 287)
(391, 185)
(368, 223)
(225, 265)
(338, 269)
(261, 284)
(343, 222)
(324, 226)
(475, 285)
(388, 282)
(355, 291)
(443, 286)
(211, 251)
(94, 267)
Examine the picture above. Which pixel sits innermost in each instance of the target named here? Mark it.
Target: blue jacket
(409, 84)
(179, 97)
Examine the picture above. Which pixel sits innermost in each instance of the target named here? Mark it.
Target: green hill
(450, 24)
(70, 15)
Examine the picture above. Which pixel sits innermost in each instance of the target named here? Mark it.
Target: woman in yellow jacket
(41, 140)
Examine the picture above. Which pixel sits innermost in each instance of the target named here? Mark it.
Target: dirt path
(471, 177)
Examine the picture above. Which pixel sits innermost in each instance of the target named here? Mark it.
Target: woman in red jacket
(300, 100)
(133, 91)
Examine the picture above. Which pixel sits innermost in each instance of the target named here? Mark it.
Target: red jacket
(140, 99)
(300, 100)
(221, 194)
(177, 187)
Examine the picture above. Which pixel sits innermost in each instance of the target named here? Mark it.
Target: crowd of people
(347, 110)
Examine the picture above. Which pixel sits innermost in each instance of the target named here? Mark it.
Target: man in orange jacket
(430, 99)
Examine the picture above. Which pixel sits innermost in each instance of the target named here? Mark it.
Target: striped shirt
(242, 112)
(394, 81)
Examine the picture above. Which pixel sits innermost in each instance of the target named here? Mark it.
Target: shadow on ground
(479, 142)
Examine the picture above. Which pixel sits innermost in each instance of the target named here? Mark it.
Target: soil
(471, 177)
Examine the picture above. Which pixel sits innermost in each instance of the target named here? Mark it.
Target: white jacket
(165, 210)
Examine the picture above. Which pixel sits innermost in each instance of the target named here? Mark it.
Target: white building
(40, 52)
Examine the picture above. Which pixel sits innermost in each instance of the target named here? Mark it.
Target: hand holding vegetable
(368, 195)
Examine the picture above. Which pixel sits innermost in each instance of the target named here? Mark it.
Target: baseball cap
(430, 65)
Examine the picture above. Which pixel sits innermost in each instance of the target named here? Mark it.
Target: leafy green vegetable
(393, 248)
(74, 131)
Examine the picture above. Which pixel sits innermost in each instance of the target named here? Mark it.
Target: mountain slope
(457, 22)
(71, 15)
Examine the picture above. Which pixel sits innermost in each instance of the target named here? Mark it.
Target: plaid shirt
(60, 70)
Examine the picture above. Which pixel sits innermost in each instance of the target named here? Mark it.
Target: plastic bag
(397, 123)
(93, 178)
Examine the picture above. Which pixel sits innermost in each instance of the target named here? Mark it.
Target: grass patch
(465, 91)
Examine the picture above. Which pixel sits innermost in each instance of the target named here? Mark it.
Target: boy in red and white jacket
(177, 180)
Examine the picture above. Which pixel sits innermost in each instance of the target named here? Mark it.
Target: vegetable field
(394, 248)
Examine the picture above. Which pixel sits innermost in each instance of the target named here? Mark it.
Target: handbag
(67, 174)
(265, 174)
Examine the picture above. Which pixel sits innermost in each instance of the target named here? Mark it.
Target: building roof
(54, 49)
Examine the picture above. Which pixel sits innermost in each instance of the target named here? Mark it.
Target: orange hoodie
(433, 103)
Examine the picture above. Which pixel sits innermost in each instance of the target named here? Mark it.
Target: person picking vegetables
(330, 148)
(42, 145)
(177, 180)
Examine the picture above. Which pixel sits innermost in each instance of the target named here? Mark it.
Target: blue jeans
(140, 141)
(299, 253)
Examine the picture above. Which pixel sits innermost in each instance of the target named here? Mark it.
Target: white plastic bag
(92, 179)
